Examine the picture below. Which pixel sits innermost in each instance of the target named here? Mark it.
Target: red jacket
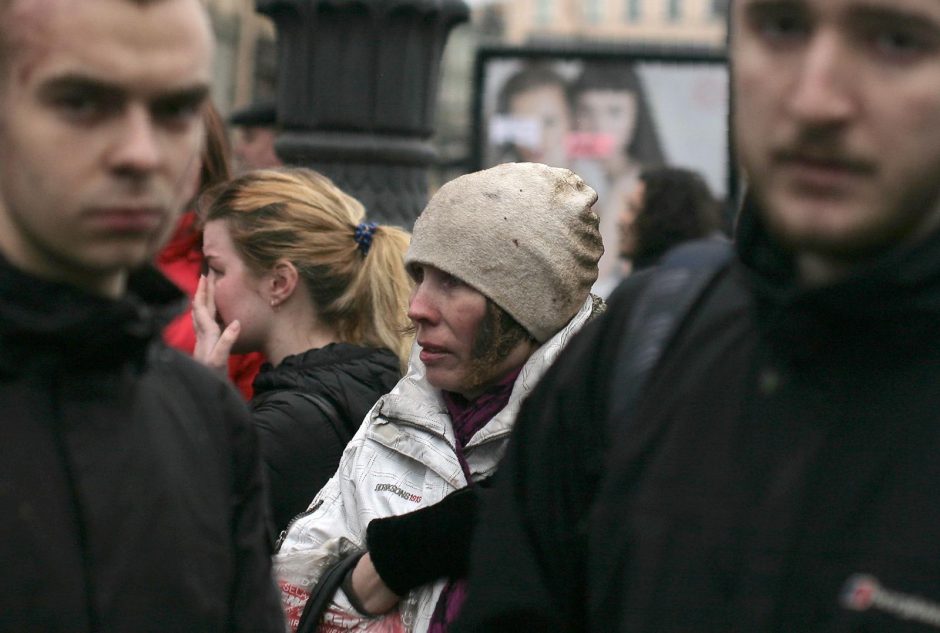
(181, 261)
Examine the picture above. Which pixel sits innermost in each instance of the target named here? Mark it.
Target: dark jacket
(780, 473)
(301, 441)
(130, 483)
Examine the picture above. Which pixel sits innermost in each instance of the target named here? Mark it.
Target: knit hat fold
(522, 234)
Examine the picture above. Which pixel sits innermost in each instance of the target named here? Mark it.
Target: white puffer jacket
(402, 458)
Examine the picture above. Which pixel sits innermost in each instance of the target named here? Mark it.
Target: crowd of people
(234, 403)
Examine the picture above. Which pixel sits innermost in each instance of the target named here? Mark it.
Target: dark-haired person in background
(255, 131)
(668, 206)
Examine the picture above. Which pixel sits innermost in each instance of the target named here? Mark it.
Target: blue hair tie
(363, 236)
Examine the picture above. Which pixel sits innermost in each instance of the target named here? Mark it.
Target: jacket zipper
(290, 524)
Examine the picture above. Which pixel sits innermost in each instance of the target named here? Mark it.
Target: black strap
(322, 594)
(678, 281)
(330, 412)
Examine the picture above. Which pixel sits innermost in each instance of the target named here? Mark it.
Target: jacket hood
(892, 300)
(55, 322)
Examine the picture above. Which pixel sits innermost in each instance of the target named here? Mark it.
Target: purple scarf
(467, 417)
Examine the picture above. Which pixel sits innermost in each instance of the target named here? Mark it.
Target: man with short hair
(255, 133)
(778, 468)
(130, 488)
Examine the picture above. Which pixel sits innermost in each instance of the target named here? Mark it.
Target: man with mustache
(778, 470)
(130, 488)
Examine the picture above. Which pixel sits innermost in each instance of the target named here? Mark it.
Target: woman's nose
(421, 306)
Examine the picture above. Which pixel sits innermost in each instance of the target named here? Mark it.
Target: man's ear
(283, 282)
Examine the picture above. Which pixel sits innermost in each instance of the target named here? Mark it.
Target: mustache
(823, 157)
(822, 148)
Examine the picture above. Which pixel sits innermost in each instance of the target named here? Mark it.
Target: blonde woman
(296, 273)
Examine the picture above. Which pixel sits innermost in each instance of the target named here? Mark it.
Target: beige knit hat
(523, 234)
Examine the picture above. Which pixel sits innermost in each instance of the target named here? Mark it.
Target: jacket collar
(892, 301)
(49, 322)
(414, 401)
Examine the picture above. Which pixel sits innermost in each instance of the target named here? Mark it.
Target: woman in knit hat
(503, 261)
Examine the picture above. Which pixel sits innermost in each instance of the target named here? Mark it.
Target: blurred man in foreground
(778, 470)
(130, 489)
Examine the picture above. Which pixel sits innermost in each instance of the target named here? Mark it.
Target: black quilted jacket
(302, 441)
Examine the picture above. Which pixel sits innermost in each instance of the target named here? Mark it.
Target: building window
(594, 11)
(633, 10)
(544, 10)
(674, 11)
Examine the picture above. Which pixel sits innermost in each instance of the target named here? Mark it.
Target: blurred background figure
(181, 259)
(534, 116)
(296, 273)
(617, 138)
(609, 102)
(255, 130)
(668, 206)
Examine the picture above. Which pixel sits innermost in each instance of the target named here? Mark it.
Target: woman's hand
(212, 344)
(371, 592)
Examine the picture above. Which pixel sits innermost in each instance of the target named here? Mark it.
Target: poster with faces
(606, 116)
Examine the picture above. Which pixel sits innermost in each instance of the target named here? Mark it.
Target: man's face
(837, 120)
(254, 148)
(99, 126)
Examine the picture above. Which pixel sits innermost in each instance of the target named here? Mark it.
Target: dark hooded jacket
(780, 473)
(301, 439)
(131, 496)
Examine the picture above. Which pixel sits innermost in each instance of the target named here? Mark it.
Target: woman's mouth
(431, 353)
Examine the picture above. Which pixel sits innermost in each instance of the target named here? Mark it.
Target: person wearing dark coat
(131, 489)
(668, 206)
(296, 273)
(130, 484)
(778, 469)
(295, 429)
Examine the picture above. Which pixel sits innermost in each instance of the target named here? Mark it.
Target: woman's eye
(449, 281)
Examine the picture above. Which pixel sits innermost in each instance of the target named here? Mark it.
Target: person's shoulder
(174, 375)
(299, 403)
(606, 328)
(623, 297)
(165, 359)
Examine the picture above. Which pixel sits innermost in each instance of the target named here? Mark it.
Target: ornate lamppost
(357, 81)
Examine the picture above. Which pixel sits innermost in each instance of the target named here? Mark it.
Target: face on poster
(606, 119)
